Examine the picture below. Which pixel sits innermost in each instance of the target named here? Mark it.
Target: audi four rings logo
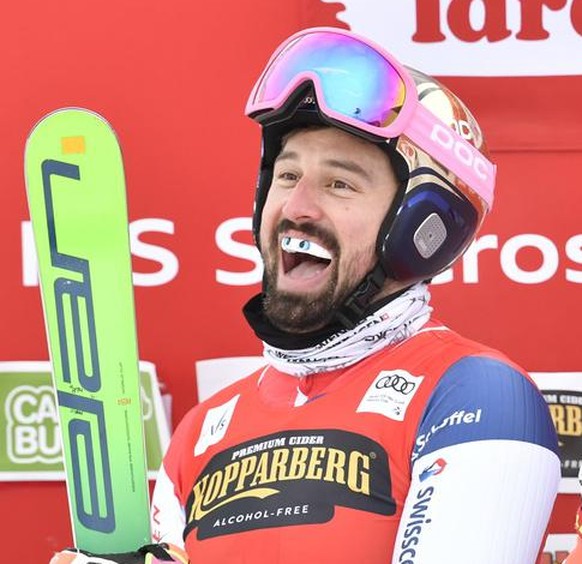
(397, 383)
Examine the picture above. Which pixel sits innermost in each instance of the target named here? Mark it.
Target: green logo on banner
(32, 426)
(30, 441)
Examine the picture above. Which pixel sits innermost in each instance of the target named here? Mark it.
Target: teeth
(294, 245)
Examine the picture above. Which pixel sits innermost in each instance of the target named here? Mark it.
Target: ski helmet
(330, 76)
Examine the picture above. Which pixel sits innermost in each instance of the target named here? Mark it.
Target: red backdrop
(172, 78)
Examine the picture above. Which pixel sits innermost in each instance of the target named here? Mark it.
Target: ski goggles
(358, 84)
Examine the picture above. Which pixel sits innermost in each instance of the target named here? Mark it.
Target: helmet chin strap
(351, 312)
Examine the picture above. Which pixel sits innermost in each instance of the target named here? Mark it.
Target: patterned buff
(391, 324)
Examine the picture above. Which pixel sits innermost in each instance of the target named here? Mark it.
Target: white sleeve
(467, 503)
(485, 470)
(167, 514)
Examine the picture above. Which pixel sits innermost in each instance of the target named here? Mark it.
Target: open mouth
(303, 258)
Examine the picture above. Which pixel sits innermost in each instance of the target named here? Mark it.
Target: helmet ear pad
(427, 231)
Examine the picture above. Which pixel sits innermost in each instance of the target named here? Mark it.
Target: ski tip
(75, 114)
(69, 130)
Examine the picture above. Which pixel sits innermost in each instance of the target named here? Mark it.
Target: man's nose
(303, 201)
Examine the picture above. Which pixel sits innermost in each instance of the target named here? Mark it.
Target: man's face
(330, 192)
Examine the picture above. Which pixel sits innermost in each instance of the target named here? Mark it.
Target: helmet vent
(430, 235)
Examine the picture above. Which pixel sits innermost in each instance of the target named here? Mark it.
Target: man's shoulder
(485, 396)
(436, 348)
(439, 335)
(463, 357)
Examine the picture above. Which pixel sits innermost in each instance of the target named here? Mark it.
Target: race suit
(437, 450)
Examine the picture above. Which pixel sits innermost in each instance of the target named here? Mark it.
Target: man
(374, 433)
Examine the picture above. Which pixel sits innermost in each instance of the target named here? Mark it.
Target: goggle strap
(455, 153)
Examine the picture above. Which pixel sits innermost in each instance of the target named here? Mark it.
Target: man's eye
(341, 185)
(288, 176)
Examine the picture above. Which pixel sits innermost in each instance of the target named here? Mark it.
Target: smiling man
(329, 195)
(374, 433)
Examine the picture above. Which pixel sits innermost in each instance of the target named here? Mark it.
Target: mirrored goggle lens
(354, 79)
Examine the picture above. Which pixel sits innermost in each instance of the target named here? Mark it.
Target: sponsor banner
(289, 478)
(563, 394)
(31, 449)
(474, 37)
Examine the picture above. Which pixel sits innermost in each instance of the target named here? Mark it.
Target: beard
(306, 312)
(299, 313)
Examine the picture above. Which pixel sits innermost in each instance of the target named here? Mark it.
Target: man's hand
(149, 554)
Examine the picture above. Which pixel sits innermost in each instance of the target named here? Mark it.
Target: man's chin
(298, 313)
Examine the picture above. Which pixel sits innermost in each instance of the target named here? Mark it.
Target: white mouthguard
(294, 245)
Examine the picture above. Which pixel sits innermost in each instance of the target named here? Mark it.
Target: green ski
(76, 196)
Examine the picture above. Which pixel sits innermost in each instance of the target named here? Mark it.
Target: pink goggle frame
(359, 84)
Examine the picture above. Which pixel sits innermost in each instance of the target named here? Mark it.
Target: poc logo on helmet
(446, 138)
